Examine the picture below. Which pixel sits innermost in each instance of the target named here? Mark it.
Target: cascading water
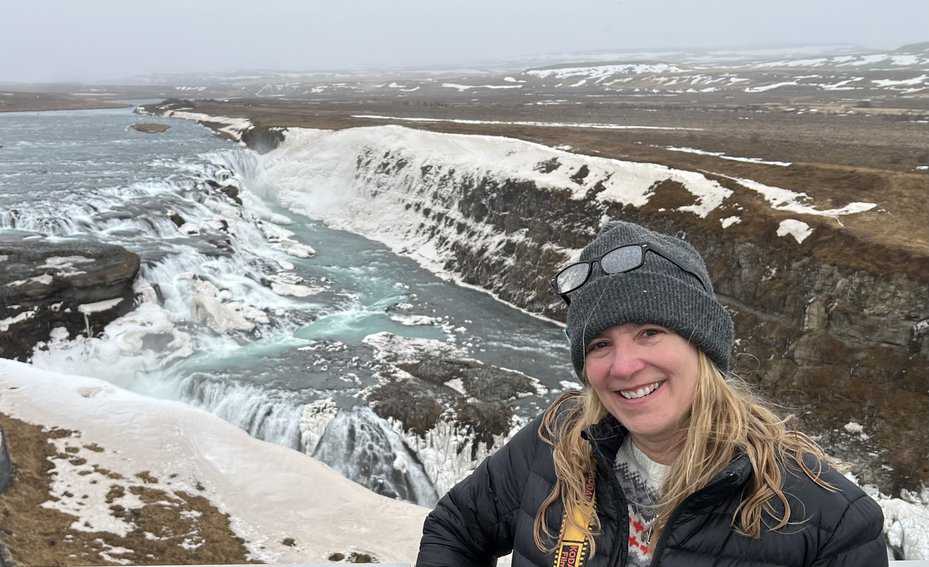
(363, 446)
(247, 309)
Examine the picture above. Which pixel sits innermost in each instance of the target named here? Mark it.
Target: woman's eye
(651, 332)
(597, 345)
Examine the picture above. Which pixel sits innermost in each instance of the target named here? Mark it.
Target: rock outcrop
(263, 139)
(6, 477)
(480, 396)
(6, 464)
(47, 285)
(150, 127)
(422, 382)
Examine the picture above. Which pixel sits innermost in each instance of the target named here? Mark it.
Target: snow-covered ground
(632, 73)
(591, 125)
(234, 127)
(722, 155)
(598, 73)
(270, 492)
(900, 72)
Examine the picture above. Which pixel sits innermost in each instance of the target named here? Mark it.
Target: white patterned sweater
(641, 479)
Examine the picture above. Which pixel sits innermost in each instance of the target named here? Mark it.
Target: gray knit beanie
(657, 292)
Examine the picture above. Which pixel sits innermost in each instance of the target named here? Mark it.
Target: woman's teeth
(640, 392)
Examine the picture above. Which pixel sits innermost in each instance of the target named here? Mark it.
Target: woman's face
(646, 376)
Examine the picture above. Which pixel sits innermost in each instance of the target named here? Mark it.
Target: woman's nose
(625, 363)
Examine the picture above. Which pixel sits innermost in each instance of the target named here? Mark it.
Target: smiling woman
(664, 457)
(646, 377)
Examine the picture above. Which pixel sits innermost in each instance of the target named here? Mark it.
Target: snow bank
(270, 492)
(903, 82)
(798, 229)
(792, 201)
(722, 155)
(319, 173)
(906, 524)
(600, 72)
(590, 125)
(873, 59)
(729, 221)
(234, 127)
(462, 88)
(766, 88)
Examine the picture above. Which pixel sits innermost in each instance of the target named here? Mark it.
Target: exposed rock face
(830, 342)
(6, 477)
(6, 464)
(263, 139)
(230, 191)
(481, 396)
(831, 326)
(258, 137)
(80, 286)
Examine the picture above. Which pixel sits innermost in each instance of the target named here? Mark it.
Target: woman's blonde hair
(726, 419)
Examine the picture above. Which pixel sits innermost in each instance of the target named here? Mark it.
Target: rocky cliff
(61, 288)
(832, 325)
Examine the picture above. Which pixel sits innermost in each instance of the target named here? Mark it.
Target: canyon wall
(831, 326)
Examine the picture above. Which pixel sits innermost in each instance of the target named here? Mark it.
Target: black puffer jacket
(491, 512)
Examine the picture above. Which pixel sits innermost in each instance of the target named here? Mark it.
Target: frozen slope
(377, 181)
(270, 492)
(473, 207)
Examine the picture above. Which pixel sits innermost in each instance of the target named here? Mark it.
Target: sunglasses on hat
(621, 259)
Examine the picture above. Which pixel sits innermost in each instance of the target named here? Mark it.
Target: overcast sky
(47, 40)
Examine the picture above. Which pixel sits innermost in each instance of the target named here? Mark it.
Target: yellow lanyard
(572, 545)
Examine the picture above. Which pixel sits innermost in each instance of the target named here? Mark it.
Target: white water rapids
(254, 312)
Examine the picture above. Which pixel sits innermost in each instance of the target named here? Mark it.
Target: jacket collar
(605, 438)
(607, 435)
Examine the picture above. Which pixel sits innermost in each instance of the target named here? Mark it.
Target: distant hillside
(921, 46)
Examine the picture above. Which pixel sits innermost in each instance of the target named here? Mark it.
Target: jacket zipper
(659, 547)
